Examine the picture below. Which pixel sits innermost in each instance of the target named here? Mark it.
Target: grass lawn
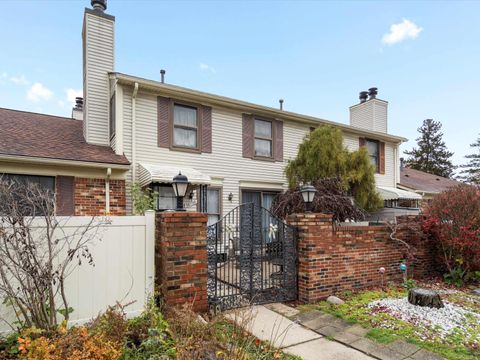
(454, 339)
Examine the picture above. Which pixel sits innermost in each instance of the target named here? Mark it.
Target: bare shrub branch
(37, 253)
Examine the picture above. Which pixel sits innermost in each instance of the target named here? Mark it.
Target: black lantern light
(308, 193)
(180, 185)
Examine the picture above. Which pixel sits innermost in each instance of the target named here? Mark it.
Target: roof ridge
(37, 113)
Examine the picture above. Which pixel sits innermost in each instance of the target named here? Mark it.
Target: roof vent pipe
(281, 104)
(99, 5)
(372, 92)
(162, 76)
(363, 96)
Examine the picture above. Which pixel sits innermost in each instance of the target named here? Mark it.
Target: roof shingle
(45, 136)
(422, 181)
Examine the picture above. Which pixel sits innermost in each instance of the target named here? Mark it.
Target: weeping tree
(37, 254)
(322, 155)
(331, 198)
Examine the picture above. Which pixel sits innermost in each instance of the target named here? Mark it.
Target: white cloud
(61, 103)
(207, 68)
(39, 92)
(401, 31)
(19, 80)
(72, 94)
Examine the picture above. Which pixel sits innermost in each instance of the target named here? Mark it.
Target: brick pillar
(181, 258)
(315, 231)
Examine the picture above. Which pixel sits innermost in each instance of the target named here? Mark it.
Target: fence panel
(123, 268)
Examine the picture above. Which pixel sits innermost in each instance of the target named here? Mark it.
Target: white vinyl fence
(123, 268)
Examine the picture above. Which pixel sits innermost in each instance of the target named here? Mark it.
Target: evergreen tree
(471, 172)
(432, 155)
(322, 155)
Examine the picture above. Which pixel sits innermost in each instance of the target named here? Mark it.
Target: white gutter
(49, 161)
(107, 192)
(134, 108)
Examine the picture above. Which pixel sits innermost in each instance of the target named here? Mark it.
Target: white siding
(226, 163)
(99, 60)
(370, 115)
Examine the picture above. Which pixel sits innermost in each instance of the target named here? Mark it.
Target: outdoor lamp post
(180, 185)
(308, 193)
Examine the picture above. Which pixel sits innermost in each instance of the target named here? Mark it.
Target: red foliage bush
(453, 220)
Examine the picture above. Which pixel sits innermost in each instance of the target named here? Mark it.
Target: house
(232, 151)
(425, 184)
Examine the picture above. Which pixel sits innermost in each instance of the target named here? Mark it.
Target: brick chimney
(98, 61)
(370, 113)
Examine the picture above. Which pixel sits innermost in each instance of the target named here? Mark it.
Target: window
(373, 152)
(44, 182)
(213, 205)
(263, 138)
(185, 126)
(166, 199)
(112, 116)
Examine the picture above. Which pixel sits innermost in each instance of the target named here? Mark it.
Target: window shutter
(278, 141)
(65, 195)
(362, 142)
(247, 135)
(206, 129)
(381, 159)
(163, 126)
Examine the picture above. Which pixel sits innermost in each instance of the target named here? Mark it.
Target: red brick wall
(346, 258)
(181, 258)
(90, 197)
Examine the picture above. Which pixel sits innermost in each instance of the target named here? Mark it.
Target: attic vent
(437, 179)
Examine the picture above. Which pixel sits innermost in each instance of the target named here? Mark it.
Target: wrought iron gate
(251, 259)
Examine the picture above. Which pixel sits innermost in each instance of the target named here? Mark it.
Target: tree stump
(425, 297)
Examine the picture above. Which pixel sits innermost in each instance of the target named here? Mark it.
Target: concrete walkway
(318, 336)
(291, 337)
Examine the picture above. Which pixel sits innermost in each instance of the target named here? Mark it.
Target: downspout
(134, 125)
(107, 191)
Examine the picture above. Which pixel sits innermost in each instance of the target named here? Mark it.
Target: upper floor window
(185, 126)
(373, 149)
(263, 138)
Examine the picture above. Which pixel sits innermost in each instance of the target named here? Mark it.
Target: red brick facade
(334, 259)
(181, 258)
(89, 197)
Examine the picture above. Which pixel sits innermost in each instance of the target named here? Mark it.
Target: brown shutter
(381, 165)
(278, 141)
(362, 142)
(163, 127)
(65, 195)
(247, 135)
(206, 129)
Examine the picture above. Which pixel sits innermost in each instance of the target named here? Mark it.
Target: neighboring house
(425, 184)
(52, 152)
(232, 151)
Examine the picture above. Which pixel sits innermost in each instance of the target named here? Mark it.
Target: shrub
(453, 221)
(322, 155)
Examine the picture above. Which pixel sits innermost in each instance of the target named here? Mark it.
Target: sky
(424, 57)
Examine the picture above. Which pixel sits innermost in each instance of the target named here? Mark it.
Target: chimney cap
(100, 5)
(372, 92)
(363, 96)
(79, 102)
